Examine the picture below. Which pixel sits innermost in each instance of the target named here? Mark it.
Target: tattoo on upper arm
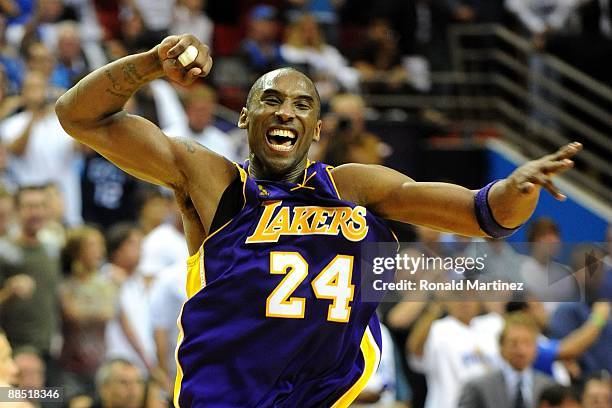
(189, 145)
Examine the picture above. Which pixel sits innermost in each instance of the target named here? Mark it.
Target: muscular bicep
(395, 196)
(136, 145)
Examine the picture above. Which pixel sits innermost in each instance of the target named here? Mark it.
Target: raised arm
(92, 111)
(449, 207)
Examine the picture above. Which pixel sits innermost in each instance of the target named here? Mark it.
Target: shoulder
(196, 161)
(362, 183)
(486, 381)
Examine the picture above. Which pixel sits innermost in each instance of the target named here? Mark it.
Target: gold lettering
(261, 230)
(351, 222)
(358, 229)
(319, 220)
(341, 217)
(300, 220)
(280, 223)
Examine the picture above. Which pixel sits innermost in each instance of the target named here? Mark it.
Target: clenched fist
(171, 48)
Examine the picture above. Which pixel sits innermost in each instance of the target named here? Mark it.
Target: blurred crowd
(92, 260)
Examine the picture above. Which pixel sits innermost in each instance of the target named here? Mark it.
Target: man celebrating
(274, 315)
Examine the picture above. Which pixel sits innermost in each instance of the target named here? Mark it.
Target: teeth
(282, 132)
(281, 148)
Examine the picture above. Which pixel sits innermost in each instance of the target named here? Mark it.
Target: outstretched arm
(449, 207)
(92, 111)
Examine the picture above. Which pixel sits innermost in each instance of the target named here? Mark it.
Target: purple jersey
(274, 316)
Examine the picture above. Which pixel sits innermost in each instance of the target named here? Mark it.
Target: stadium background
(442, 90)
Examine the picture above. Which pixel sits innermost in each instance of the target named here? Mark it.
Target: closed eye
(271, 100)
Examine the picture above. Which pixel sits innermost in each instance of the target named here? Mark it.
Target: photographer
(349, 141)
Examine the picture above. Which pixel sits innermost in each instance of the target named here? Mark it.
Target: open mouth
(281, 140)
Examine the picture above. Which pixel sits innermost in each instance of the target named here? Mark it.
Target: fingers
(544, 181)
(567, 151)
(184, 42)
(556, 166)
(176, 48)
(166, 45)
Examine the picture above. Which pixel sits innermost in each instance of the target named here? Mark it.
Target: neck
(259, 171)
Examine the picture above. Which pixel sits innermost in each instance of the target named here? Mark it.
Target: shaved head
(259, 84)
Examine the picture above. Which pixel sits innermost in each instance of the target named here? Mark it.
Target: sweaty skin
(283, 100)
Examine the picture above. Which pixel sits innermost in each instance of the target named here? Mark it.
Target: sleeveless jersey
(274, 316)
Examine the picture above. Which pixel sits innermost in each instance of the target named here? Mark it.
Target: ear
(317, 131)
(243, 120)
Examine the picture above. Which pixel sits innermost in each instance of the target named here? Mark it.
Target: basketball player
(274, 314)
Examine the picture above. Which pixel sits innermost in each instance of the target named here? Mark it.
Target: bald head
(259, 85)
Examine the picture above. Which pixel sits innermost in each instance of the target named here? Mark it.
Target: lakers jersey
(274, 316)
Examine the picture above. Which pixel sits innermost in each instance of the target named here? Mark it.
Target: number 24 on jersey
(332, 283)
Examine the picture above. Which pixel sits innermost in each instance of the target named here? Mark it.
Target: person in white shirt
(305, 46)
(40, 150)
(164, 246)
(167, 298)
(452, 353)
(129, 334)
(200, 102)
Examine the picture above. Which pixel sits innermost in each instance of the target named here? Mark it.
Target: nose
(285, 112)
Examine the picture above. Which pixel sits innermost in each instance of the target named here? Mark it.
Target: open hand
(172, 47)
(540, 172)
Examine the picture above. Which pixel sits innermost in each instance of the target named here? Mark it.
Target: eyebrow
(275, 92)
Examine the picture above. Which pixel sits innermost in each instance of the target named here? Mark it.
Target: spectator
(378, 60)
(6, 213)
(157, 16)
(167, 298)
(164, 246)
(8, 103)
(550, 351)
(43, 26)
(129, 334)
(200, 102)
(449, 351)
(325, 13)
(558, 396)
(348, 139)
(120, 384)
(570, 316)
(42, 152)
(597, 392)
(260, 49)
(541, 18)
(306, 49)
(8, 369)
(32, 320)
(515, 384)
(87, 301)
(40, 58)
(107, 192)
(72, 62)
(547, 280)
(31, 369)
(503, 262)
(189, 17)
(53, 233)
(153, 208)
(9, 62)
(8, 373)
